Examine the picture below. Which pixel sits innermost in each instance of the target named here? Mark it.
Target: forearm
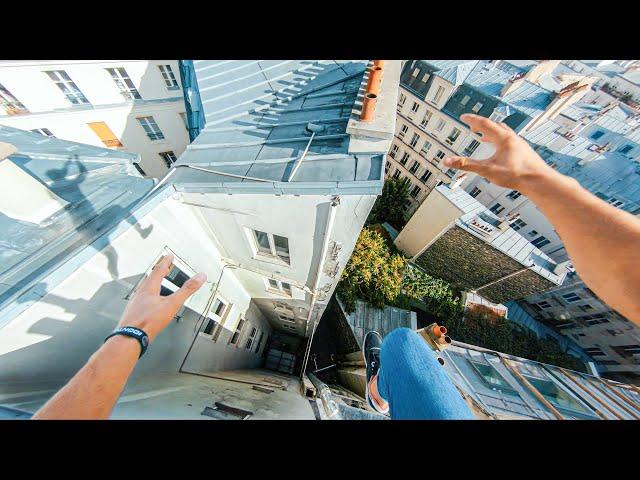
(94, 390)
(601, 240)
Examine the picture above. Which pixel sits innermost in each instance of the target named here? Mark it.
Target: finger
(466, 164)
(161, 270)
(190, 287)
(490, 130)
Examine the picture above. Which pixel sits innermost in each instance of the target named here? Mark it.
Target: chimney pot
(368, 107)
(375, 78)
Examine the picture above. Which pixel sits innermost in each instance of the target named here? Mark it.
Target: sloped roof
(256, 114)
(457, 72)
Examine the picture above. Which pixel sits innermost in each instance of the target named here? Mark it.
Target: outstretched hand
(514, 163)
(150, 311)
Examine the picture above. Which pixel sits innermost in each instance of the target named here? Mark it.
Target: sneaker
(371, 351)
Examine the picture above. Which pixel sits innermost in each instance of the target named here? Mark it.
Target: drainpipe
(335, 201)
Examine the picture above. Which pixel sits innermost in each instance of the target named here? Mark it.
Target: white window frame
(441, 124)
(415, 107)
(438, 95)
(151, 128)
(170, 79)
(403, 131)
(68, 87)
(438, 157)
(394, 151)
(169, 157)
(272, 254)
(218, 319)
(414, 140)
(453, 136)
(278, 287)
(476, 108)
(124, 83)
(471, 147)
(43, 131)
(426, 119)
(238, 331)
(249, 343)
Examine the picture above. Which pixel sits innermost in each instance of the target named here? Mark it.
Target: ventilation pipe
(368, 107)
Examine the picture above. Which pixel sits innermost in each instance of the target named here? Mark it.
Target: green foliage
(389, 206)
(437, 294)
(373, 273)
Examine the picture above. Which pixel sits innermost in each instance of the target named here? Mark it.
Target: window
(477, 107)
(402, 99)
(43, 131)
(513, 194)
(625, 148)
(465, 100)
(533, 233)
(414, 140)
(630, 349)
(102, 130)
(453, 136)
(475, 192)
(403, 131)
(440, 155)
(236, 335)
(496, 116)
(441, 124)
(425, 176)
(124, 83)
(555, 394)
(396, 174)
(544, 304)
(151, 128)
(415, 72)
(518, 224)
(415, 107)
(289, 327)
(597, 134)
(67, 86)
(252, 335)
(541, 241)
(426, 147)
(426, 118)
(471, 148)
(169, 78)
(404, 159)
(615, 202)
(216, 318)
(169, 158)
(594, 351)
(10, 103)
(286, 318)
(387, 166)
(414, 167)
(490, 376)
(438, 94)
(571, 297)
(278, 286)
(497, 208)
(415, 191)
(586, 307)
(259, 344)
(394, 151)
(271, 245)
(450, 173)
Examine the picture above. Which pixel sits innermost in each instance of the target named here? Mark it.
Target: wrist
(540, 182)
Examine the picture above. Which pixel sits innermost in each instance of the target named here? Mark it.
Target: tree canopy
(389, 206)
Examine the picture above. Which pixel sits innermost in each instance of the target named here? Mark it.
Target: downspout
(331, 216)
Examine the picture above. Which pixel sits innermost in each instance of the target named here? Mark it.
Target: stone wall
(467, 262)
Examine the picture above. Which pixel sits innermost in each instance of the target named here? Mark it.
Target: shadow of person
(66, 183)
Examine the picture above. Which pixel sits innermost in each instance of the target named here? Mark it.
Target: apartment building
(622, 76)
(136, 106)
(268, 201)
(454, 237)
(434, 93)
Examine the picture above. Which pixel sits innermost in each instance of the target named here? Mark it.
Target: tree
(373, 273)
(389, 206)
(437, 295)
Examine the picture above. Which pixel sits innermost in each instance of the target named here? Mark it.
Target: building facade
(434, 93)
(268, 201)
(135, 106)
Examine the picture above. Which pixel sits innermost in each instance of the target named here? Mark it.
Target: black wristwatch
(132, 332)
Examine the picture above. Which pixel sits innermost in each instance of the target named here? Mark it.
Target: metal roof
(507, 241)
(100, 186)
(256, 114)
(528, 97)
(454, 71)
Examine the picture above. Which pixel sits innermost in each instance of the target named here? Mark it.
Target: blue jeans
(414, 383)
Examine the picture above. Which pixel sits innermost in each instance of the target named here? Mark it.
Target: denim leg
(414, 383)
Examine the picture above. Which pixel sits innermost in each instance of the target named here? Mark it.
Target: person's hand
(514, 163)
(151, 312)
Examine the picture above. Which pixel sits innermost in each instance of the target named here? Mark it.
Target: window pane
(263, 241)
(273, 283)
(282, 246)
(177, 277)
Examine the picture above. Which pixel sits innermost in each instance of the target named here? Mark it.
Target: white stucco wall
(48, 107)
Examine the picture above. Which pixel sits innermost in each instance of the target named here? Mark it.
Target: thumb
(465, 163)
(190, 287)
